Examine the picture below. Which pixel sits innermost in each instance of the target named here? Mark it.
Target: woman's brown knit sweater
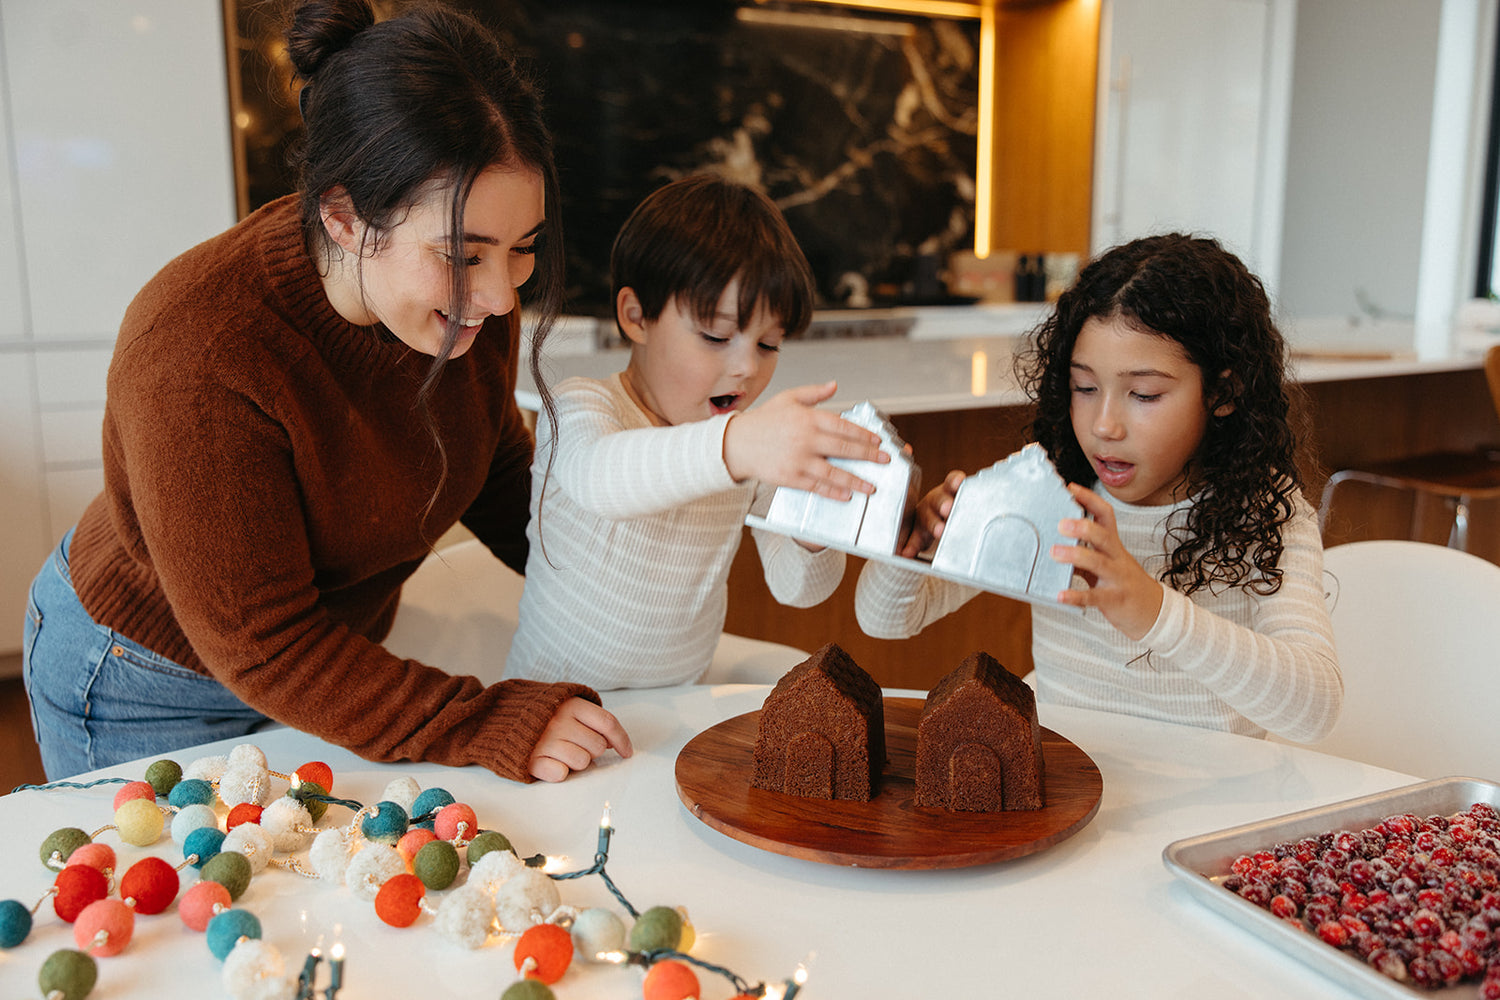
(266, 482)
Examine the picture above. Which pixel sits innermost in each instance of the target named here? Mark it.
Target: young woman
(1161, 394)
(298, 407)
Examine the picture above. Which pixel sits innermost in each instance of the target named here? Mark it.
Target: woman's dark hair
(1192, 291)
(392, 106)
(693, 236)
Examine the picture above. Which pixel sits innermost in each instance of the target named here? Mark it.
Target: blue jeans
(98, 699)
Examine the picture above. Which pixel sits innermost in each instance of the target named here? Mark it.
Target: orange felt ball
(670, 979)
(77, 887)
(104, 927)
(399, 901)
(549, 949)
(150, 885)
(201, 903)
(134, 790)
(245, 812)
(318, 772)
(447, 821)
(93, 854)
(412, 841)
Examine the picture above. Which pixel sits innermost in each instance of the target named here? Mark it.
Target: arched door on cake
(809, 766)
(975, 780)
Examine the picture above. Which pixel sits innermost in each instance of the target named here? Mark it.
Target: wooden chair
(1416, 630)
(458, 612)
(1458, 477)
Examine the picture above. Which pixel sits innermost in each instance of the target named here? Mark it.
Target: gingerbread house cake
(979, 745)
(822, 730)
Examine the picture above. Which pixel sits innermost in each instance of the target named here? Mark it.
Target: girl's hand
(578, 734)
(787, 442)
(1122, 590)
(926, 523)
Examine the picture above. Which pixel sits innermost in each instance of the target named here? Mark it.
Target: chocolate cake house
(997, 537)
(979, 745)
(865, 521)
(822, 731)
(1003, 522)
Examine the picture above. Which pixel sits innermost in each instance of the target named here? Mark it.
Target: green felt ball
(315, 807)
(59, 845)
(15, 923)
(528, 989)
(487, 841)
(163, 776)
(658, 928)
(231, 869)
(436, 864)
(385, 823)
(226, 929)
(68, 972)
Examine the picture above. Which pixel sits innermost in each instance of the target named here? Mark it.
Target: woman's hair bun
(319, 28)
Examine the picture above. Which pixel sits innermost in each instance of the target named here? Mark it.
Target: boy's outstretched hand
(1119, 586)
(787, 441)
(579, 732)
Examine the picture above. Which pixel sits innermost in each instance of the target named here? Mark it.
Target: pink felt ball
(93, 854)
(670, 980)
(149, 885)
(104, 927)
(198, 905)
(134, 790)
(447, 821)
(77, 887)
(413, 841)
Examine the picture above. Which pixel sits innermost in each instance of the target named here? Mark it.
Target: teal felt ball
(204, 843)
(427, 803)
(385, 823)
(436, 864)
(164, 776)
(231, 869)
(192, 792)
(59, 845)
(226, 929)
(15, 923)
(69, 974)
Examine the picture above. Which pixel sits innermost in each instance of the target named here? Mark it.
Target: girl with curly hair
(1161, 396)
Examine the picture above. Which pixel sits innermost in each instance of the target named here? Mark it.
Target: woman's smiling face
(405, 283)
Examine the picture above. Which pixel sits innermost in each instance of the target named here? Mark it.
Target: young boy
(642, 481)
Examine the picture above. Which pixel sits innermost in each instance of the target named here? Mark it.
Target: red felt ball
(149, 885)
(549, 949)
(245, 812)
(104, 927)
(93, 854)
(412, 841)
(447, 821)
(670, 979)
(77, 887)
(134, 790)
(318, 772)
(201, 903)
(399, 901)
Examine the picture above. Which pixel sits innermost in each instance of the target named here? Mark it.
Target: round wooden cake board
(715, 769)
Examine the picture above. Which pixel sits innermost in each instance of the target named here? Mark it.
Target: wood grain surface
(715, 769)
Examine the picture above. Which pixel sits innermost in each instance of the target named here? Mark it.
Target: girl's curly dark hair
(1194, 292)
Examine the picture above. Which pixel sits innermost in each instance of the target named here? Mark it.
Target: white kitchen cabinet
(115, 156)
(1191, 133)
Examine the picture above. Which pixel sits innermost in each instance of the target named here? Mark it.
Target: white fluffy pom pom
(526, 898)
(288, 823)
(248, 755)
(493, 868)
(207, 768)
(190, 818)
(466, 917)
(253, 842)
(254, 970)
(403, 792)
(371, 868)
(242, 783)
(331, 852)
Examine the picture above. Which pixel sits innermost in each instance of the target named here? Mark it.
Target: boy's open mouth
(723, 404)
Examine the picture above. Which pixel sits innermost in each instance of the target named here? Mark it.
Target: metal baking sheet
(1203, 862)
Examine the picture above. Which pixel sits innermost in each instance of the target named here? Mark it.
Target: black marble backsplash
(860, 126)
